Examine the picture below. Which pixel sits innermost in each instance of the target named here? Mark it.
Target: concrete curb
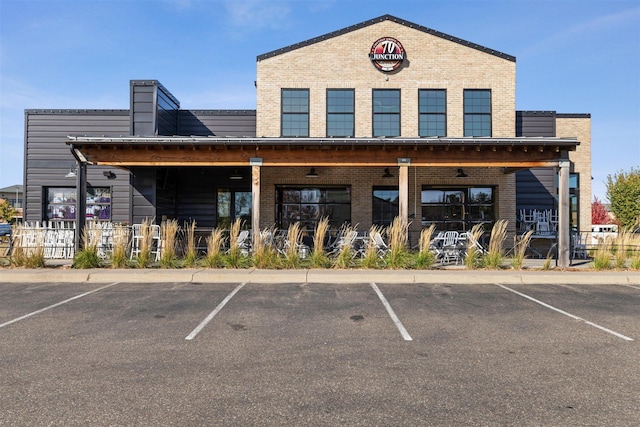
(457, 276)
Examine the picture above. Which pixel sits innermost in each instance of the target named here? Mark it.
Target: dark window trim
(434, 114)
(353, 111)
(279, 202)
(490, 113)
(282, 113)
(373, 113)
(90, 190)
(382, 188)
(468, 223)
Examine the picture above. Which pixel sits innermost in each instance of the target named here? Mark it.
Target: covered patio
(340, 158)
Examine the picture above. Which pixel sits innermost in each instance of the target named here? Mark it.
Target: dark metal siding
(536, 123)
(48, 158)
(217, 122)
(143, 109)
(154, 110)
(143, 183)
(535, 188)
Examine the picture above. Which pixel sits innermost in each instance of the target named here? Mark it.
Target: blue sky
(573, 56)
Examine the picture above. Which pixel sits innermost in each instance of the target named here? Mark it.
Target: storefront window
(385, 205)
(295, 112)
(308, 205)
(477, 112)
(340, 112)
(234, 205)
(61, 203)
(386, 112)
(433, 112)
(458, 208)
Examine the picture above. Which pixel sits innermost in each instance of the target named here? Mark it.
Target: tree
(599, 213)
(623, 192)
(7, 212)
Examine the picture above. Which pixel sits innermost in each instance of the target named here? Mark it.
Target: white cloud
(576, 32)
(253, 15)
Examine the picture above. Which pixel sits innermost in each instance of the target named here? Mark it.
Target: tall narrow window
(295, 112)
(340, 112)
(477, 112)
(385, 205)
(433, 112)
(386, 112)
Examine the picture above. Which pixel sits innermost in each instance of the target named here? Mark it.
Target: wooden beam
(296, 156)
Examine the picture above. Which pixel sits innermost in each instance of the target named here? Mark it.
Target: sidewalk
(533, 274)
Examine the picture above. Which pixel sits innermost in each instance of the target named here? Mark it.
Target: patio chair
(136, 240)
(343, 241)
(579, 245)
(451, 247)
(381, 246)
(243, 242)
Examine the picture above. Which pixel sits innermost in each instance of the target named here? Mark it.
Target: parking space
(317, 354)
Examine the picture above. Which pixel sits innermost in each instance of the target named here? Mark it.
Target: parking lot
(318, 354)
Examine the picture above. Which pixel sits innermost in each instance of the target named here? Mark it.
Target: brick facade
(432, 63)
(342, 62)
(580, 127)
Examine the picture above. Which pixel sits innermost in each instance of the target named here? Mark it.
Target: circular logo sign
(387, 54)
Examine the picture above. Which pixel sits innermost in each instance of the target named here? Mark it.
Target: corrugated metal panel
(536, 123)
(143, 109)
(535, 188)
(48, 158)
(144, 194)
(220, 123)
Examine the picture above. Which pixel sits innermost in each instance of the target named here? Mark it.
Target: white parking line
(207, 319)
(631, 286)
(396, 321)
(54, 305)
(567, 314)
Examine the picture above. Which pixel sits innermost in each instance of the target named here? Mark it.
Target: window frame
(292, 114)
(477, 114)
(430, 114)
(375, 114)
(351, 113)
(69, 205)
(382, 221)
(466, 207)
(308, 196)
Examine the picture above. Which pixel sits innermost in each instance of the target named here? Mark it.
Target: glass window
(432, 106)
(233, 205)
(477, 112)
(458, 208)
(308, 205)
(340, 112)
(386, 112)
(385, 205)
(61, 203)
(295, 112)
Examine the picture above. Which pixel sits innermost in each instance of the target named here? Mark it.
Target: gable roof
(382, 19)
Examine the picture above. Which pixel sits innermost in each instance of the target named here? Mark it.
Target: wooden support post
(256, 164)
(564, 233)
(403, 190)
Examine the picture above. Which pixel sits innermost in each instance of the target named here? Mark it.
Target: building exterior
(13, 195)
(381, 119)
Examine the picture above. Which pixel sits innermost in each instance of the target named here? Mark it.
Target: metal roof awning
(236, 151)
